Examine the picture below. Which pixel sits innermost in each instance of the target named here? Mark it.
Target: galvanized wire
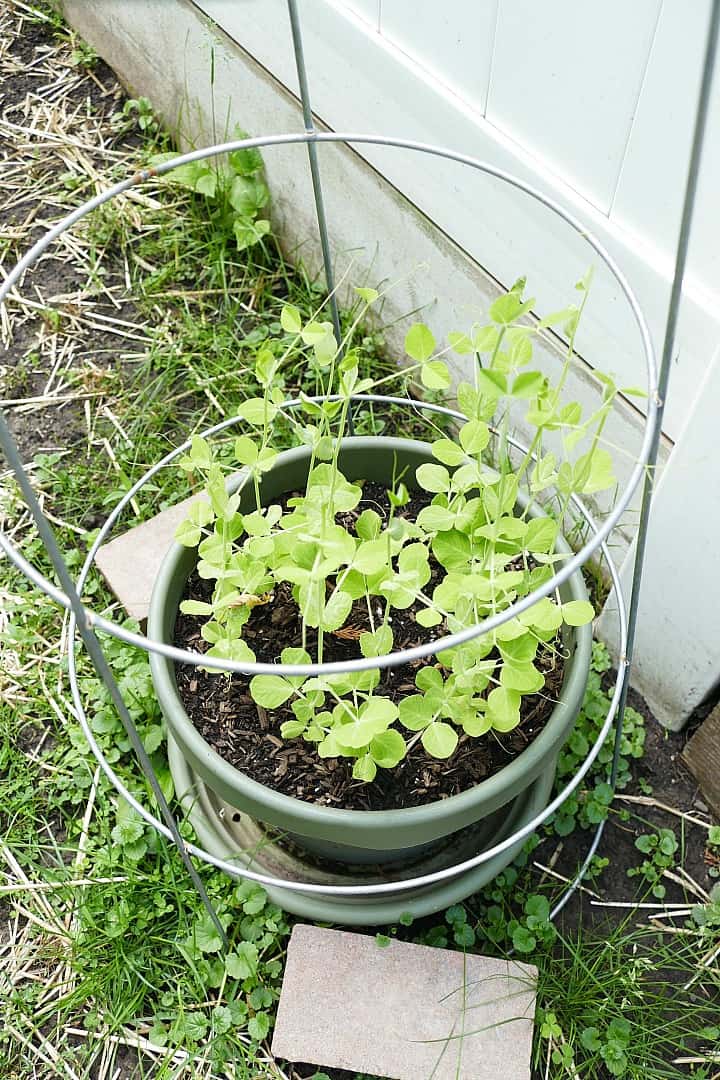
(384, 887)
(452, 640)
(314, 164)
(101, 665)
(86, 620)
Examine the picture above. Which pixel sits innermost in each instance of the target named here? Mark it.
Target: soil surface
(248, 736)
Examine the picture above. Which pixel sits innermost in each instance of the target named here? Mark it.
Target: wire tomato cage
(86, 624)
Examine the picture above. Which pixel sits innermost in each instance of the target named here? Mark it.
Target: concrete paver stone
(406, 1012)
(130, 563)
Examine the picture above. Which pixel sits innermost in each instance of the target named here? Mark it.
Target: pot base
(231, 835)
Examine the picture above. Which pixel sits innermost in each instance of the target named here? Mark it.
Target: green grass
(132, 954)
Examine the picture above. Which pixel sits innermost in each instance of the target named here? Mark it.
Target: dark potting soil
(248, 736)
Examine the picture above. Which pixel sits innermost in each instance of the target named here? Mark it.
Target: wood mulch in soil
(248, 736)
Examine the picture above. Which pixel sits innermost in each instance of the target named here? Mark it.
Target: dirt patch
(68, 322)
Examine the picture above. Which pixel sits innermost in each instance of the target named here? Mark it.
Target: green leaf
(246, 450)
(464, 936)
(474, 436)
(379, 643)
(491, 384)
(373, 719)
(187, 534)
(590, 1038)
(413, 561)
(435, 518)
(194, 1027)
(292, 729)
(578, 612)
(428, 617)
(253, 410)
(510, 630)
(503, 708)
(415, 712)
(253, 898)
(399, 497)
(259, 1026)
(200, 453)
(429, 678)
(448, 452)
(365, 769)
(248, 232)
(266, 364)
(314, 332)
(196, 607)
(128, 830)
(439, 739)
(247, 161)
(523, 941)
(379, 711)
(206, 936)
(519, 346)
(290, 319)
(452, 549)
(435, 375)
(460, 343)
(242, 963)
(484, 338)
(368, 295)
(433, 478)
(544, 616)
(541, 534)
(419, 343)
(615, 1058)
(594, 470)
(520, 650)
(336, 610)
(556, 317)
(223, 504)
(371, 556)
(270, 691)
(528, 385)
(456, 915)
(525, 678)
(368, 525)
(222, 1019)
(197, 175)
(248, 195)
(266, 459)
(508, 308)
(668, 842)
(388, 748)
(206, 184)
(543, 475)
(478, 724)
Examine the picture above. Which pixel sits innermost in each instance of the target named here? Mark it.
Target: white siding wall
(593, 103)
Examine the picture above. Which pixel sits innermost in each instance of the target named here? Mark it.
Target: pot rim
(288, 808)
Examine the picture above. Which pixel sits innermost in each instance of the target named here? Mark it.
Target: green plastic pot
(399, 837)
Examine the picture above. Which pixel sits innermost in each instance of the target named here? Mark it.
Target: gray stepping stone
(131, 562)
(405, 1012)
